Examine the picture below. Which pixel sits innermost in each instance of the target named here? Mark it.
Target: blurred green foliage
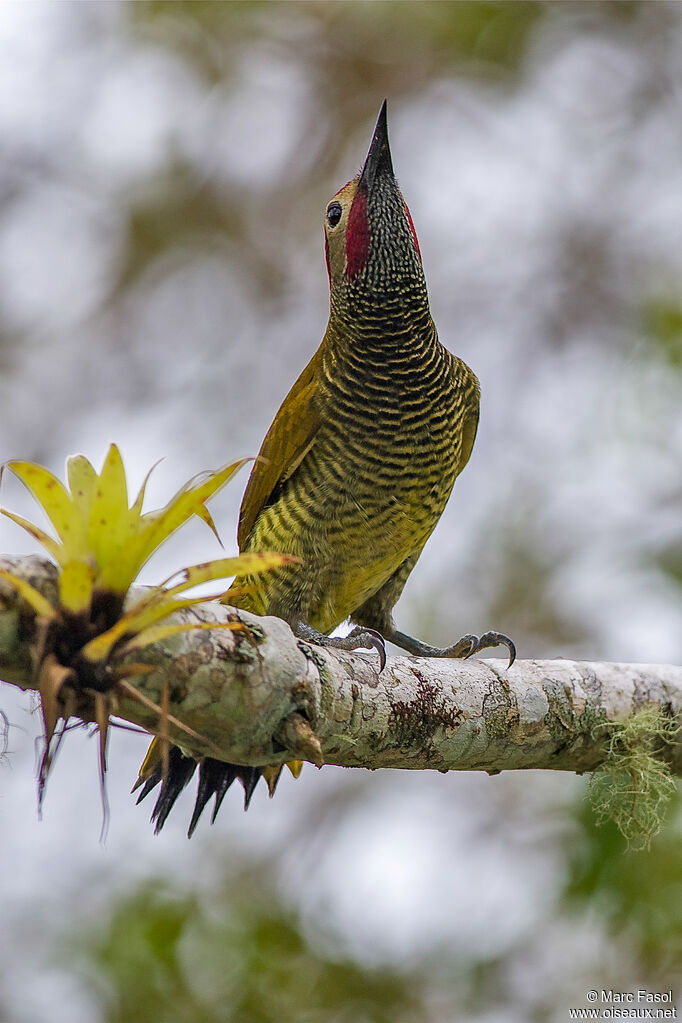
(636, 894)
(240, 953)
(240, 957)
(355, 54)
(488, 31)
(663, 326)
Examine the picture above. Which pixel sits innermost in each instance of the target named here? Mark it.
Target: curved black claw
(361, 637)
(490, 639)
(368, 639)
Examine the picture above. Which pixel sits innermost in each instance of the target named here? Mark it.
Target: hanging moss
(633, 784)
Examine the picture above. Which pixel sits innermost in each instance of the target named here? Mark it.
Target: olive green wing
(286, 444)
(470, 390)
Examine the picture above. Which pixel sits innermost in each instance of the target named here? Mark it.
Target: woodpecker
(359, 462)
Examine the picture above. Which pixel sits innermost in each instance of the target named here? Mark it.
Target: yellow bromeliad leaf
(99, 648)
(101, 545)
(189, 500)
(112, 481)
(56, 502)
(82, 479)
(51, 545)
(160, 602)
(113, 530)
(38, 602)
(76, 581)
(95, 527)
(139, 500)
(102, 501)
(138, 536)
(155, 633)
(163, 600)
(223, 568)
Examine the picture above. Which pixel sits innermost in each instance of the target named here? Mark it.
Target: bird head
(371, 243)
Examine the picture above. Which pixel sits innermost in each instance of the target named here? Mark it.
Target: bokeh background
(164, 167)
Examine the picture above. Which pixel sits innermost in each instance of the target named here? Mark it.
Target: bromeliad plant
(101, 544)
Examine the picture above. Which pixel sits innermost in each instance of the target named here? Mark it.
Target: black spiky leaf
(180, 770)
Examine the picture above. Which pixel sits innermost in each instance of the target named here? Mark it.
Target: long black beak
(378, 162)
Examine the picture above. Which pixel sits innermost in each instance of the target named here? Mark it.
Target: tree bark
(263, 696)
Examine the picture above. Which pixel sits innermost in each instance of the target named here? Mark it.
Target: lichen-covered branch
(262, 696)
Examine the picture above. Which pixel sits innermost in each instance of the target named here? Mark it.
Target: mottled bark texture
(264, 696)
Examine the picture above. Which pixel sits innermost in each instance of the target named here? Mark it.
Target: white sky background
(547, 216)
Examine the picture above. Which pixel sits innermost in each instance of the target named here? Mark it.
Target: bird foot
(467, 646)
(360, 638)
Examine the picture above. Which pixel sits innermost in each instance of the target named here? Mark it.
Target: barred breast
(372, 487)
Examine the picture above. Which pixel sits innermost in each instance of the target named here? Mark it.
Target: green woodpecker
(359, 462)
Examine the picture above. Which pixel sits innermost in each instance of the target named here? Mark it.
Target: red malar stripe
(357, 235)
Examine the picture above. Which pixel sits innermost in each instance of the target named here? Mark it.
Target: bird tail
(215, 778)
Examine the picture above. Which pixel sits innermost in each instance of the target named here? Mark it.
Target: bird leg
(467, 646)
(375, 614)
(360, 638)
(363, 637)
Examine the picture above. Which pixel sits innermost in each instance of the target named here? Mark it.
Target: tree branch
(263, 696)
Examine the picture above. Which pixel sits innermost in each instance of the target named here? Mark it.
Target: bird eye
(334, 212)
